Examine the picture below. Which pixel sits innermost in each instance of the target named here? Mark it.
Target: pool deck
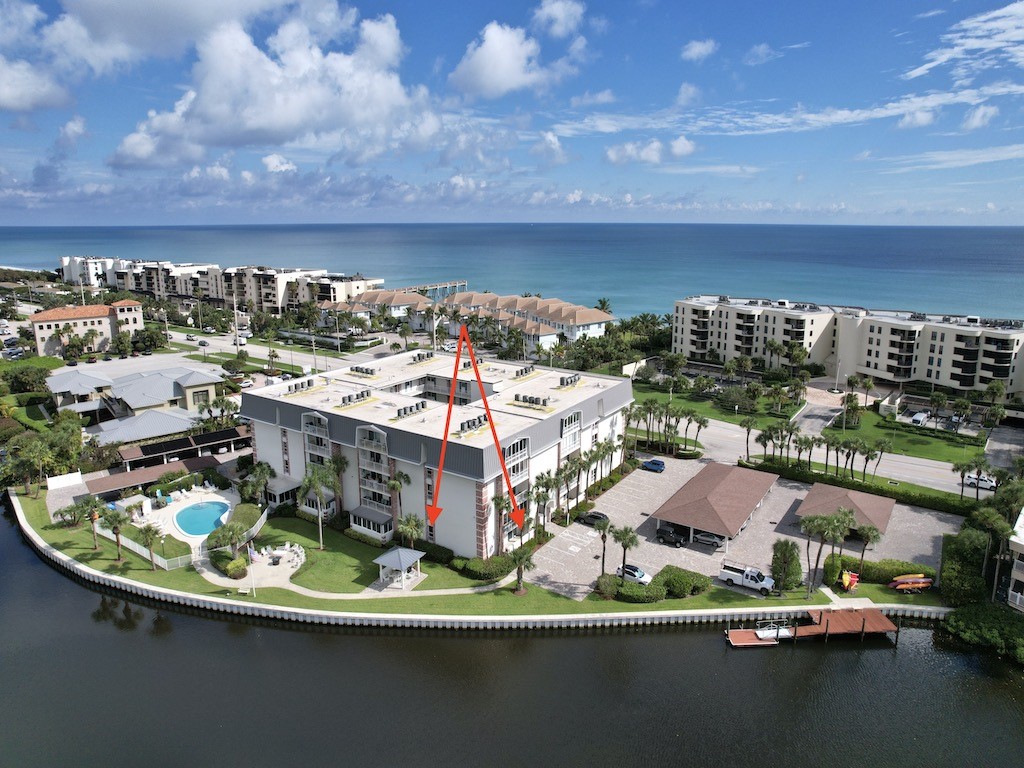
(164, 518)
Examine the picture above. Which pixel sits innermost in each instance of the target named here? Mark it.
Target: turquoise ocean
(640, 268)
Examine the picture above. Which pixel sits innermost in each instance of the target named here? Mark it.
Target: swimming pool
(201, 518)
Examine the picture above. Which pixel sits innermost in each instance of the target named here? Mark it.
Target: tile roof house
(868, 509)
(52, 327)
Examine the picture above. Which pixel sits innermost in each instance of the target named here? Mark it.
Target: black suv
(669, 535)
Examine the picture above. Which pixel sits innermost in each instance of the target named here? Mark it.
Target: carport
(720, 499)
(868, 509)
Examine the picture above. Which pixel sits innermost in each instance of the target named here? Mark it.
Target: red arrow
(433, 510)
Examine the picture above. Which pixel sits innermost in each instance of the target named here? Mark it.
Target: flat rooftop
(901, 315)
(563, 391)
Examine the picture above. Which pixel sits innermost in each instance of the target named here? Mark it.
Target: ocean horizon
(638, 267)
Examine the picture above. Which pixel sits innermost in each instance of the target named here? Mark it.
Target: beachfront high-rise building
(387, 419)
(963, 352)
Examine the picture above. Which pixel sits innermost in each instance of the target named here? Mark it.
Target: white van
(920, 418)
(241, 341)
(450, 346)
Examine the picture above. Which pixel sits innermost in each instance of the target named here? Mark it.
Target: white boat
(773, 629)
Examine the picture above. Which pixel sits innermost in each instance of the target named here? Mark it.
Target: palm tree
(777, 394)
(115, 520)
(235, 535)
(803, 443)
(962, 468)
(868, 383)
(522, 559)
(979, 466)
(774, 348)
(149, 534)
(870, 535)
(317, 481)
(995, 390)
(396, 482)
(938, 401)
(701, 422)
(411, 527)
(602, 527)
(749, 424)
(627, 539)
(882, 446)
(502, 508)
(814, 526)
(869, 454)
(258, 478)
(272, 357)
(604, 305)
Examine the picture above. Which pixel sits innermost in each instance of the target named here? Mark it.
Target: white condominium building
(388, 417)
(958, 351)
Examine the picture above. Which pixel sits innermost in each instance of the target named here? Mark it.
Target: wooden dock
(824, 622)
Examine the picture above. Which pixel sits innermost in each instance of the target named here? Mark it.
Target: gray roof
(83, 407)
(373, 515)
(399, 558)
(77, 382)
(139, 390)
(145, 426)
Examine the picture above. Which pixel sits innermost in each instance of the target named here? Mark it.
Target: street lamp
(163, 546)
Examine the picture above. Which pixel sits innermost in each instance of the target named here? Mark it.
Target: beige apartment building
(965, 352)
(52, 327)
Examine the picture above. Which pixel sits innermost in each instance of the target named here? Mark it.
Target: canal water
(87, 678)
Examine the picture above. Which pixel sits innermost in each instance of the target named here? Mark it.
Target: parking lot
(571, 562)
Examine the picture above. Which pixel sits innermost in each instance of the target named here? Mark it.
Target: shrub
(25, 399)
(833, 567)
(962, 557)
(680, 582)
(215, 478)
(244, 463)
(492, 568)
(991, 626)
(236, 569)
(283, 510)
(9, 428)
(582, 508)
(221, 559)
(690, 454)
(608, 585)
(433, 552)
(949, 503)
(878, 572)
(457, 563)
(170, 477)
(631, 592)
(373, 541)
(786, 568)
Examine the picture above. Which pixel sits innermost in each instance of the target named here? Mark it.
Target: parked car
(204, 343)
(634, 573)
(592, 518)
(920, 418)
(703, 537)
(669, 535)
(245, 383)
(209, 329)
(984, 482)
(190, 337)
(654, 465)
(735, 574)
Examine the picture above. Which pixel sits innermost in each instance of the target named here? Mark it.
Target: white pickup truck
(735, 574)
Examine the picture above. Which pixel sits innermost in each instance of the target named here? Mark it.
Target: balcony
(966, 366)
(373, 485)
(373, 466)
(963, 380)
(312, 429)
(902, 360)
(898, 371)
(1015, 600)
(1002, 345)
(967, 353)
(380, 507)
(372, 445)
(996, 371)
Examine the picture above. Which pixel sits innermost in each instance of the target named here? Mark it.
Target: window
(200, 398)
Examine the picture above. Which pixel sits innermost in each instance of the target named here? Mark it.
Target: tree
(961, 468)
(603, 304)
(701, 422)
(626, 538)
(869, 384)
(83, 509)
(803, 443)
(938, 401)
(962, 410)
(979, 466)
(814, 526)
(272, 357)
(234, 534)
(396, 482)
(995, 390)
(410, 527)
(149, 534)
(786, 564)
(317, 481)
(255, 483)
(749, 424)
(777, 394)
(870, 535)
(115, 520)
(603, 526)
(882, 446)
(404, 332)
(774, 349)
(522, 559)
(797, 354)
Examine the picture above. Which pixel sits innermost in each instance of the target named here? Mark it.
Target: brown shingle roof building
(718, 499)
(868, 509)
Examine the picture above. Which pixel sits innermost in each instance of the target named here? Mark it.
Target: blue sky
(237, 111)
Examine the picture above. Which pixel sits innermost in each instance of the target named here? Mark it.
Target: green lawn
(171, 547)
(77, 542)
(657, 437)
(254, 364)
(29, 416)
(766, 409)
(880, 593)
(49, 363)
(608, 369)
(873, 428)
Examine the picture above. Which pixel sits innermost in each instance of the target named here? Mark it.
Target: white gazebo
(399, 561)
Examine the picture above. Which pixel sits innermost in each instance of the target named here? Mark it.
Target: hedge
(232, 568)
(25, 399)
(608, 585)
(962, 558)
(496, 567)
(680, 582)
(991, 626)
(215, 478)
(433, 552)
(631, 592)
(373, 541)
(951, 504)
(881, 571)
(955, 438)
(284, 510)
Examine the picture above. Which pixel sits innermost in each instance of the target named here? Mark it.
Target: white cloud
(682, 146)
(979, 117)
(635, 152)
(957, 158)
(978, 43)
(72, 131)
(502, 61)
(760, 54)
(505, 59)
(742, 171)
(352, 104)
(929, 14)
(589, 99)
(917, 118)
(574, 197)
(24, 88)
(276, 163)
(688, 94)
(549, 149)
(18, 21)
(698, 50)
(560, 18)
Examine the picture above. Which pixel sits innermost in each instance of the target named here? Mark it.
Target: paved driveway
(571, 562)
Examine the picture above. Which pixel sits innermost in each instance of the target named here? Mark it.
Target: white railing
(1015, 599)
(376, 505)
(141, 551)
(373, 445)
(376, 466)
(373, 485)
